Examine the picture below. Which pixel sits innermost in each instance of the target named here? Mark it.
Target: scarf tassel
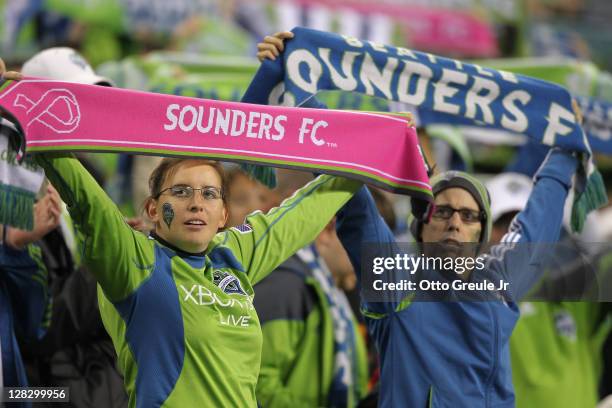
(16, 207)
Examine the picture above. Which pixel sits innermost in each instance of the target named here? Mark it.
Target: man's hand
(4, 74)
(47, 214)
(273, 45)
(577, 111)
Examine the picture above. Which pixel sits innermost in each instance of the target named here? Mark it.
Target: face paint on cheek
(167, 213)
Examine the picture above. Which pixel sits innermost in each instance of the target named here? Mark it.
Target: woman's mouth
(195, 223)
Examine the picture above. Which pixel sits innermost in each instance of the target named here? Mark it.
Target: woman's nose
(196, 203)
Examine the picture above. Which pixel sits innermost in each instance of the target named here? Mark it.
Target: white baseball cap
(598, 227)
(509, 193)
(65, 64)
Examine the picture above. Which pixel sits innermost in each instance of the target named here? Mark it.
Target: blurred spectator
(313, 353)
(244, 195)
(76, 351)
(65, 63)
(24, 296)
(556, 347)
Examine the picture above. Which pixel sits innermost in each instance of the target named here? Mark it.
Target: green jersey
(183, 325)
(556, 354)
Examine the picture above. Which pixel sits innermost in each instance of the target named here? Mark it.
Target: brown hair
(168, 167)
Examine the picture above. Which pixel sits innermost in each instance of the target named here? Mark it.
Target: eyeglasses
(444, 212)
(209, 193)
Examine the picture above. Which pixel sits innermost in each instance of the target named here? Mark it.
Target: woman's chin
(196, 242)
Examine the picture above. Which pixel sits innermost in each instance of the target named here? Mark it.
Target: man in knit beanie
(450, 348)
(462, 214)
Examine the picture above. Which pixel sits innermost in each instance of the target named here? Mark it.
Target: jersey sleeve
(359, 223)
(119, 257)
(266, 240)
(521, 257)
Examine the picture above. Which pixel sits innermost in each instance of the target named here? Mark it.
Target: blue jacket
(456, 354)
(24, 307)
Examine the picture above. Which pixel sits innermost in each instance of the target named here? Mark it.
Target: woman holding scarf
(178, 303)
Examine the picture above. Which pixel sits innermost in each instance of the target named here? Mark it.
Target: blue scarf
(442, 89)
(343, 390)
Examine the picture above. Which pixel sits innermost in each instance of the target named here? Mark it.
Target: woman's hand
(273, 45)
(4, 74)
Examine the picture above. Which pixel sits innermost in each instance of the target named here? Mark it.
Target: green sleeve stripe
(373, 315)
(41, 281)
(46, 322)
(291, 206)
(41, 274)
(35, 253)
(407, 301)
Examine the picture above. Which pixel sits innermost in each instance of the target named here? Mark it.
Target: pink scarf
(60, 116)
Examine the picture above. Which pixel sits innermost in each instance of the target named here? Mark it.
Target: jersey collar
(178, 251)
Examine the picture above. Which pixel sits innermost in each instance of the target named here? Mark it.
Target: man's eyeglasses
(209, 193)
(444, 212)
